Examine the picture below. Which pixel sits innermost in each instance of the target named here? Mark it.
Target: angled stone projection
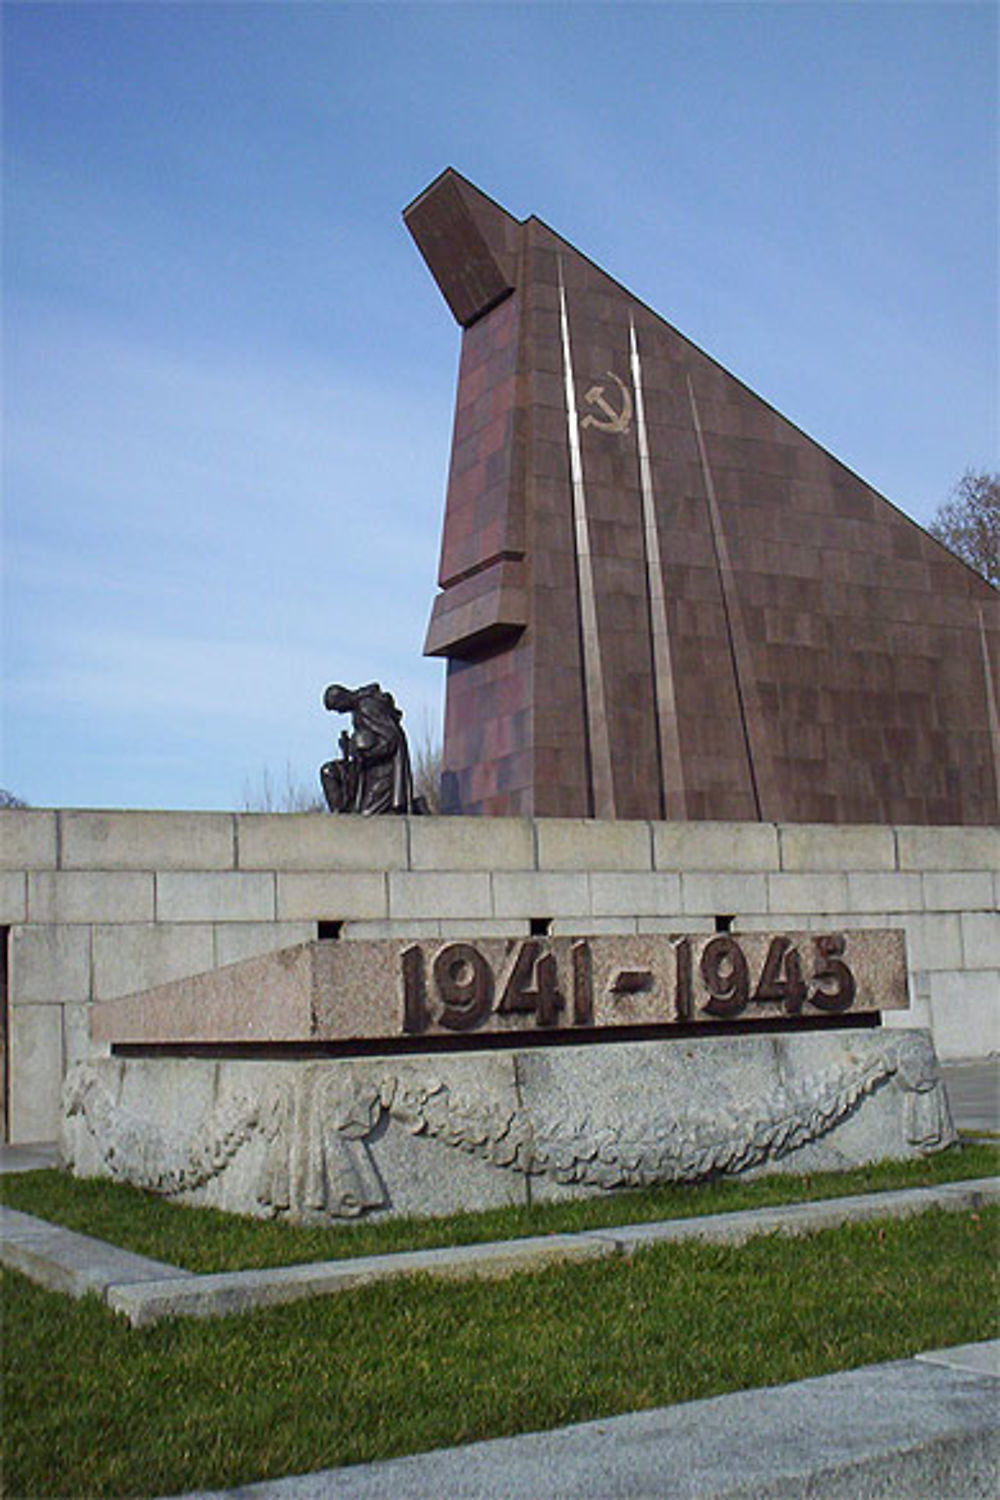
(659, 598)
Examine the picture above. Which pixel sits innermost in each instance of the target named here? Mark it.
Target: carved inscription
(464, 987)
(360, 989)
(555, 983)
(725, 974)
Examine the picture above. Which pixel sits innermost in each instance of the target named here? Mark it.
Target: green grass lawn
(93, 1408)
(200, 1239)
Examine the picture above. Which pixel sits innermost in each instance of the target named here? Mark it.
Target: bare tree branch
(969, 523)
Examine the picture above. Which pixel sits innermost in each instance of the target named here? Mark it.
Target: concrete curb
(146, 1290)
(922, 1427)
(239, 1291)
(804, 1218)
(917, 1427)
(65, 1261)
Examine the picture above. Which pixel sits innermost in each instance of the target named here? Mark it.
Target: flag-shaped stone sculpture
(659, 598)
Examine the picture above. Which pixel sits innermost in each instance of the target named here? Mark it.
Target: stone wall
(101, 904)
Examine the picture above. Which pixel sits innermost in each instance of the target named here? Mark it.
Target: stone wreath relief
(315, 1132)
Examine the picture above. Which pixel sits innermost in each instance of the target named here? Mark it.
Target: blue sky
(229, 378)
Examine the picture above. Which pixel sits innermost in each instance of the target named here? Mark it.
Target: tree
(7, 799)
(269, 794)
(427, 756)
(969, 523)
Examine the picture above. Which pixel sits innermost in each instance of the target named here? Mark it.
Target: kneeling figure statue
(373, 773)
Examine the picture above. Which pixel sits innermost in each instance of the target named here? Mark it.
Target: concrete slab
(983, 1189)
(905, 1428)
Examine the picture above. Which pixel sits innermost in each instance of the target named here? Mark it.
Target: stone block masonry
(101, 904)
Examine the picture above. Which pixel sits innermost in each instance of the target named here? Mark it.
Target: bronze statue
(373, 774)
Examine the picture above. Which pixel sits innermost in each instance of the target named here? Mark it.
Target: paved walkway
(28, 1158)
(974, 1094)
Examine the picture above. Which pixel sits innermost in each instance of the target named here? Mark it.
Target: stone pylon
(659, 598)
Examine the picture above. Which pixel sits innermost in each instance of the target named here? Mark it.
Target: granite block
(672, 923)
(320, 841)
(848, 847)
(801, 892)
(334, 895)
(146, 841)
(722, 847)
(133, 957)
(437, 986)
(237, 940)
(28, 839)
(75, 1264)
(266, 998)
(622, 893)
(981, 939)
(477, 927)
(411, 927)
(884, 891)
(50, 964)
(68, 896)
(581, 844)
(933, 939)
(541, 893)
(959, 891)
(76, 1043)
(948, 848)
(593, 926)
(316, 1141)
(228, 1292)
(966, 1012)
(435, 894)
(185, 896)
(36, 1045)
(730, 895)
(13, 897)
(450, 844)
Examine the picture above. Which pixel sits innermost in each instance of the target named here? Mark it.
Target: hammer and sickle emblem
(617, 421)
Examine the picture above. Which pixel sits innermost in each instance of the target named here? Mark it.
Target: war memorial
(718, 874)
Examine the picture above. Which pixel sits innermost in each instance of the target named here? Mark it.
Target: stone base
(321, 1140)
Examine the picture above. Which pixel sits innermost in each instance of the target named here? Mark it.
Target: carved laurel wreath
(342, 1107)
